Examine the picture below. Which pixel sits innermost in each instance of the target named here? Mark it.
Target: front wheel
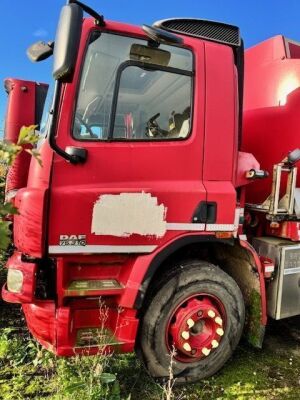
(196, 318)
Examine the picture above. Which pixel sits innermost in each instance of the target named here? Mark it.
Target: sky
(24, 22)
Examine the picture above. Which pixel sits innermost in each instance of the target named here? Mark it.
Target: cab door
(139, 113)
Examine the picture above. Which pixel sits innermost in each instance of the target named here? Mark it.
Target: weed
(83, 377)
(168, 393)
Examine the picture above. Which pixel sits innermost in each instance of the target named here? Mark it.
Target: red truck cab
(130, 234)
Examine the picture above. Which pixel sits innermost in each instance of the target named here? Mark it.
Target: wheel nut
(194, 351)
(185, 335)
(190, 323)
(211, 314)
(187, 347)
(219, 321)
(200, 313)
(220, 332)
(214, 344)
(205, 351)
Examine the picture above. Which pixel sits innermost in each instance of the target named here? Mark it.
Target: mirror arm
(99, 18)
(53, 124)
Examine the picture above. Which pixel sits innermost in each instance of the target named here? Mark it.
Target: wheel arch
(229, 255)
(160, 264)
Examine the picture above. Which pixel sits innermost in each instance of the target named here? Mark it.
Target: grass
(28, 372)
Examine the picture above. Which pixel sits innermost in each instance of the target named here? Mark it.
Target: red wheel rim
(196, 327)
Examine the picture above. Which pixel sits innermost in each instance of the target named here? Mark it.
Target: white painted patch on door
(126, 214)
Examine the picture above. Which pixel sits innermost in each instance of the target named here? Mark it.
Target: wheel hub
(196, 327)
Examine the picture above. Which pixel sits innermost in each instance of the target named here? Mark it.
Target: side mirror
(39, 51)
(67, 41)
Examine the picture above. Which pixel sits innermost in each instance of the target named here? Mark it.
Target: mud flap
(241, 264)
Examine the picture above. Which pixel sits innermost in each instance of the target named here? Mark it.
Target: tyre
(197, 314)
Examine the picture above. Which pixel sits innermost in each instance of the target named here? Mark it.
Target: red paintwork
(197, 309)
(20, 92)
(271, 117)
(71, 268)
(137, 271)
(59, 199)
(31, 222)
(40, 318)
(220, 149)
(293, 49)
(57, 328)
(267, 263)
(286, 229)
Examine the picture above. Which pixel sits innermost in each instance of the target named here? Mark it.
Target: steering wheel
(88, 129)
(153, 129)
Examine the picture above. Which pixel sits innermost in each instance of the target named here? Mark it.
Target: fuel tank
(271, 121)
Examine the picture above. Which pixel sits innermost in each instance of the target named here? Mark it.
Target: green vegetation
(29, 372)
(255, 330)
(8, 152)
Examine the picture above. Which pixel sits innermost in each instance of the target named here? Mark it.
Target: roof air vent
(208, 30)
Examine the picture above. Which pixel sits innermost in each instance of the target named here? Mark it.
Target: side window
(130, 91)
(152, 104)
